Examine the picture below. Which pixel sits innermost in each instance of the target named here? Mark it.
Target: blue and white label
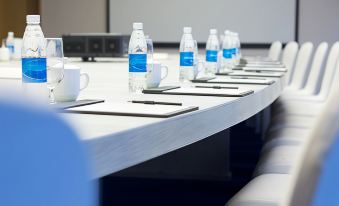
(227, 53)
(186, 58)
(211, 55)
(137, 62)
(34, 70)
(11, 48)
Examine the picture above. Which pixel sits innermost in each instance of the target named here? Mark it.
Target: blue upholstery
(327, 191)
(42, 162)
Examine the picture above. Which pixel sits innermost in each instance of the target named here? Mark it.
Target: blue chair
(42, 162)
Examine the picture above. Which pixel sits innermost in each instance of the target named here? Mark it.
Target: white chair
(281, 158)
(275, 51)
(314, 80)
(311, 104)
(312, 85)
(300, 113)
(288, 58)
(314, 181)
(301, 70)
(272, 58)
(42, 160)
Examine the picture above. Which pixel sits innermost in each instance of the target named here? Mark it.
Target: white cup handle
(86, 76)
(166, 74)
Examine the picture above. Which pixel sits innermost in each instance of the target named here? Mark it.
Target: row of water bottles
(231, 51)
(221, 56)
(217, 60)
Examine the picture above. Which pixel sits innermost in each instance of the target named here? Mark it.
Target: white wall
(319, 21)
(72, 16)
(257, 21)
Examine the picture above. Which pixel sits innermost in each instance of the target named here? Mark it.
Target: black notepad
(235, 80)
(252, 74)
(198, 91)
(78, 103)
(132, 109)
(270, 69)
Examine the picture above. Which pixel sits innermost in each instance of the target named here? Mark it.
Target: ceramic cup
(73, 82)
(156, 74)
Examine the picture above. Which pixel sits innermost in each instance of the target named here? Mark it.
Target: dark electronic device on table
(91, 45)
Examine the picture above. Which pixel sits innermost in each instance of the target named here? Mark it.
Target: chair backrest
(275, 51)
(301, 70)
(315, 180)
(42, 160)
(313, 82)
(288, 58)
(330, 72)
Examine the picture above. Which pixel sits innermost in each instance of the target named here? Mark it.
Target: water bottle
(234, 49)
(137, 54)
(212, 49)
(33, 56)
(227, 53)
(238, 48)
(10, 43)
(186, 56)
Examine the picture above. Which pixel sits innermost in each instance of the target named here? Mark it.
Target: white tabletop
(118, 142)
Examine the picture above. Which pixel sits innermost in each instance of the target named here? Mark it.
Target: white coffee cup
(69, 88)
(155, 75)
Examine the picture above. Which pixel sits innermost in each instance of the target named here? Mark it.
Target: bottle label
(34, 70)
(227, 53)
(137, 62)
(11, 48)
(211, 55)
(186, 58)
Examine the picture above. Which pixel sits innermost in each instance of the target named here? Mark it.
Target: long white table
(118, 142)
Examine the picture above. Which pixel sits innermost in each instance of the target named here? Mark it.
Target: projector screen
(256, 21)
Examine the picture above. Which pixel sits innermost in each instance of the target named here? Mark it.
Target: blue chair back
(42, 162)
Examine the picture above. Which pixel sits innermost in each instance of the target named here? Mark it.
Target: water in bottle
(234, 49)
(10, 43)
(186, 56)
(212, 49)
(227, 53)
(33, 53)
(238, 48)
(137, 54)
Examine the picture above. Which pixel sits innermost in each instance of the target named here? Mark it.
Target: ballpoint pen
(216, 87)
(154, 102)
(255, 78)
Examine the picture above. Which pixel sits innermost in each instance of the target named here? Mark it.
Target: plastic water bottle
(137, 54)
(33, 54)
(227, 53)
(186, 56)
(212, 49)
(10, 43)
(237, 47)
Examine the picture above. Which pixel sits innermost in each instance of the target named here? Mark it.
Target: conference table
(115, 143)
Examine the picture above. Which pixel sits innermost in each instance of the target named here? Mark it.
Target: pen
(216, 87)
(248, 78)
(154, 102)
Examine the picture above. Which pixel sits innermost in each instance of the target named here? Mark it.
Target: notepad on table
(235, 80)
(195, 91)
(255, 74)
(132, 109)
(272, 69)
